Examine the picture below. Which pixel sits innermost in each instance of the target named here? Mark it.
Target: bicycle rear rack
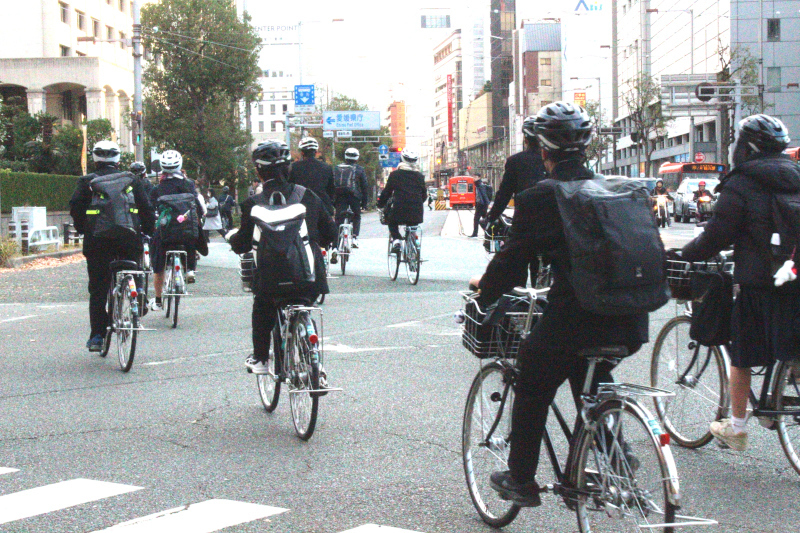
(630, 389)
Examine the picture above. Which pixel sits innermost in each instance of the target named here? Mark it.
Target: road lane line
(203, 517)
(49, 498)
(7, 470)
(16, 318)
(374, 528)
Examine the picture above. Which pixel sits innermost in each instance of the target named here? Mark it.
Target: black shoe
(526, 495)
(95, 344)
(473, 236)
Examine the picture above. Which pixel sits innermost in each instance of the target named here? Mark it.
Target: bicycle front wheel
(698, 377)
(622, 475)
(394, 262)
(304, 379)
(488, 406)
(787, 398)
(412, 262)
(269, 385)
(126, 321)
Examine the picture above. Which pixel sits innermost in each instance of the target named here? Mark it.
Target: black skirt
(765, 326)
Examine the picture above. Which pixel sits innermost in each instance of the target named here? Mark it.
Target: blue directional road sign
(393, 161)
(351, 120)
(303, 95)
(383, 149)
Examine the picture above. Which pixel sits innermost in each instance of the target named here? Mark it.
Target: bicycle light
(313, 339)
(663, 439)
(459, 317)
(177, 268)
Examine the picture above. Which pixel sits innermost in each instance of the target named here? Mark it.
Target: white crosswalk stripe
(41, 500)
(7, 470)
(203, 517)
(372, 528)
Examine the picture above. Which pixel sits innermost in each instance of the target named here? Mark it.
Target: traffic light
(394, 149)
(138, 138)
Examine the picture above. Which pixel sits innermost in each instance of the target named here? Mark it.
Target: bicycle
(619, 473)
(699, 377)
(174, 283)
(327, 262)
(410, 253)
(344, 243)
(495, 235)
(125, 300)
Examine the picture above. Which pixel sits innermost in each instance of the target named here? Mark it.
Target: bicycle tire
(698, 377)
(126, 336)
(168, 287)
(621, 474)
(412, 262)
(110, 303)
(393, 260)
(479, 459)
(787, 396)
(269, 387)
(177, 300)
(343, 259)
(304, 405)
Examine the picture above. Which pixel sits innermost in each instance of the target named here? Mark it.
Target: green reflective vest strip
(92, 211)
(129, 189)
(134, 210)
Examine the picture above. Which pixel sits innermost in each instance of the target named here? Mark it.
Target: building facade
(269, 114)
(397, 124)
(502, 19)
(448, 99)
(43, 63)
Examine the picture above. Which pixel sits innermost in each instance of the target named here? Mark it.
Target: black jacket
(481, 193)
(537, 230)
(321, 229)
(523, 170)
(226, 203)
(361, 191)
(743, 217)
(169, 186)
(407, 189)
(82, 199)
(313, 174)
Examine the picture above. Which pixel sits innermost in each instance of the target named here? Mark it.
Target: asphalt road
(185, 431)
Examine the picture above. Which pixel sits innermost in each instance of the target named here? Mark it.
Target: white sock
(739, 425)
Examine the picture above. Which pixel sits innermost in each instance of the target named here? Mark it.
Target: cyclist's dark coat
(407, 188)
(361, 191)
(316, 175)
(523, 171)
(765, 323)
(176, 185)
(547, 357)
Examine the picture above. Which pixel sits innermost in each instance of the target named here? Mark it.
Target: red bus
(674, 173)
(462, 192)
(794, 153)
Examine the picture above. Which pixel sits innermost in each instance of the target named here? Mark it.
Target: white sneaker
(397, 246)
(723, 430)
(355, 242)
(254, 366)
(190, 276)
(155, 306)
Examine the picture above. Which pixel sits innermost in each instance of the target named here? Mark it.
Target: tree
(599, 145)
(206, 62)
(642, 97)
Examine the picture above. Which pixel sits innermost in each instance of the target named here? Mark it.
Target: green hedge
(19, 189)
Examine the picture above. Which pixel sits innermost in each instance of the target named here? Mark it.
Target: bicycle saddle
(122, 264)
(604, 351)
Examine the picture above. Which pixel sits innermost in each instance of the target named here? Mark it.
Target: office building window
(285, 108)
(435, 21)
(96, 28)
(81, 20)
(774, 79)
(544, 61)
(64, 51)
(64, 12)
(773, 30)
(272, 109)
(109, 33)
(273, 127)
(546, 83)
(122, 40)
(261, 126)
(260, 109)
(122, 5)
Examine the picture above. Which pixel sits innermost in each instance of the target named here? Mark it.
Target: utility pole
(138, 140)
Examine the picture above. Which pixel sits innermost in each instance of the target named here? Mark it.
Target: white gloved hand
(230, 234)
(786, 273)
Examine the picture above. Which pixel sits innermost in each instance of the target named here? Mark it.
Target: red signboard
(449, 108)
(699, 157)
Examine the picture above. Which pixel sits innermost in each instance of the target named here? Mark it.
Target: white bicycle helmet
(351, 154)
(105, 152)
(409, 156)
(308, 144)
(171, 161)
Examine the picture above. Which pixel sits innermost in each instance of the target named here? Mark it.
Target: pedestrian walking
(226, 205)
(213, 217)
(481, 203)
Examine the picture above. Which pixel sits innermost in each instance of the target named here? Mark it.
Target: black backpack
(344, 178)
(284, 256)
(786, 222)
(113, 206)
(615, 251)
(177, 221)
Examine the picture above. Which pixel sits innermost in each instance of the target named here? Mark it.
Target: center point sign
(351, 120)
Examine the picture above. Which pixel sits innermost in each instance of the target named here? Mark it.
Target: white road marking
(42, 500)
(373, 528)
(203, 517)
(343, 348)
(16, 318)
(7, 470)
(411, 324)
(54, 306)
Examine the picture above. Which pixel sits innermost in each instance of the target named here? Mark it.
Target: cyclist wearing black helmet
(271, 160)
(314, 174)
(764, 317)
(548, 355)
(139, 170)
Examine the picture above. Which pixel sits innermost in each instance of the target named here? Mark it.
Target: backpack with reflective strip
(113, 213)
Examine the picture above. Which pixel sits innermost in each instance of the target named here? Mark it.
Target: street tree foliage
(206, 61)
(642, 96)
(599, 145)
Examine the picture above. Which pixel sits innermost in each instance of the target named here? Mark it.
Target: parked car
(685, 206)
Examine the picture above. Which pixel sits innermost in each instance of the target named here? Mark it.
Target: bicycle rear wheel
(621, 474)
(412, 261)
(481, 455)
(303, 403)
(343, 258)
(394, 262)
(698, 377)
(168, 287)
(269, 385)
(126, 321)
(111, 302)
(787, 398)
(177, 300)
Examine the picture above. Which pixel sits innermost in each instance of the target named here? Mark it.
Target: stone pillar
(37, 100)
(112, 113)
(95, 103)
(123, 117)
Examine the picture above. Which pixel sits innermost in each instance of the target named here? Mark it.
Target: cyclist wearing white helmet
(313, 174)
(351, 191)
(101, 250)
(406, 190)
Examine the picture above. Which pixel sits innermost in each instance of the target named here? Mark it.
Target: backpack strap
(297, 194)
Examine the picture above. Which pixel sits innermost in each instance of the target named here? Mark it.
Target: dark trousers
(97, 263)
(207, 233)
(227, 219)
(342, 203)
(480, 211)
(265, 311)
(394, 231)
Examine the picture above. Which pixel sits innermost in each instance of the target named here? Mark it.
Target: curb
(19, 261)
